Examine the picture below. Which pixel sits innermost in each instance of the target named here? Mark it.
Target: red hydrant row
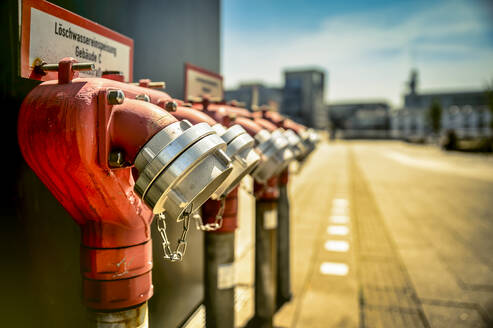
(115, 154)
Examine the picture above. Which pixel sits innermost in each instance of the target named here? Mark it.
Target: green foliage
(489, 99)
(435, 116)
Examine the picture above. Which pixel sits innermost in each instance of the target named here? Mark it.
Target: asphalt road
(388, 234)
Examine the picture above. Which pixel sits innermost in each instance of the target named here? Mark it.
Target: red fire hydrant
(81, 137)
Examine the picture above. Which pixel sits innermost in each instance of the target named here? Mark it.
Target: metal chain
(181, 247)
(218, 222)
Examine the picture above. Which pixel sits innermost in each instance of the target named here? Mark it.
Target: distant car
(449, 141)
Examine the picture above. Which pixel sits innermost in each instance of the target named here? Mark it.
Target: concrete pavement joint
(451, 303)
(478, 288)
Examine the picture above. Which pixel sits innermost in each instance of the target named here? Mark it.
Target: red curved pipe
(133, 123)
(231, 109)
(220, 115)
(273, 117)
(296, 127)
(280, 121)
(228, 109)
(266, 124)
(192, 115)
(249, 125)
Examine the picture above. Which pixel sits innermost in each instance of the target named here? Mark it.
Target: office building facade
(303, 97)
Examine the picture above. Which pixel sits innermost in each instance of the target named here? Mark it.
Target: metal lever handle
(75, 67)
(153, 84)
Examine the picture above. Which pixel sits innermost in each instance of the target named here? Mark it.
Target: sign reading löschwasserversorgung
(50, 33)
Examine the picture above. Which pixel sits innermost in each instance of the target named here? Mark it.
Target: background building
(42, 241)
(464, 112)
(303, 97)
(360, 119)
(256, 94)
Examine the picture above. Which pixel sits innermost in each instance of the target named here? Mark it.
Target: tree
(489, 100)
(435, 116)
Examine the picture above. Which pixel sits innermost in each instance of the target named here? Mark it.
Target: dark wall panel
(166, 33)
(40, 242)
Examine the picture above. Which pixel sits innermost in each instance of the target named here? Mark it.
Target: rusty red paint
(65, 132)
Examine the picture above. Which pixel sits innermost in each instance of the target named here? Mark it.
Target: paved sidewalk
(420, 223)
(384, 234)
(324, 269)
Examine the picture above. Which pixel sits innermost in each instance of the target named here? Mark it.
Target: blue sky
(367, 47)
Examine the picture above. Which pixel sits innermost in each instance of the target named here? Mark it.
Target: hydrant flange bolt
(171, 106)
(116, 159)
(115, 97)
(143, 97)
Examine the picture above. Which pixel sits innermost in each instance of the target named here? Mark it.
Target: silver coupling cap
(180, 168)
(240, 148)
(275, 154)
(295, 143)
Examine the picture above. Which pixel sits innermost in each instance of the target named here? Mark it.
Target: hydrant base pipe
(219, 256)
(265, 264)
(283, 245)
(265, 253)
(135, 317)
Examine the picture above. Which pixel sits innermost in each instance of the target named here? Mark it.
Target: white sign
(270, 219)
(199, 83)
(53, 38)
(50, 33)
(226, 276)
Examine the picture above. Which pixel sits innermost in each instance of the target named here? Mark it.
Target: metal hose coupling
(295, 143)
(308, 144)
(240, 148)
(275, 154)
(314, 137)
(286, 150)
(180, 168)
